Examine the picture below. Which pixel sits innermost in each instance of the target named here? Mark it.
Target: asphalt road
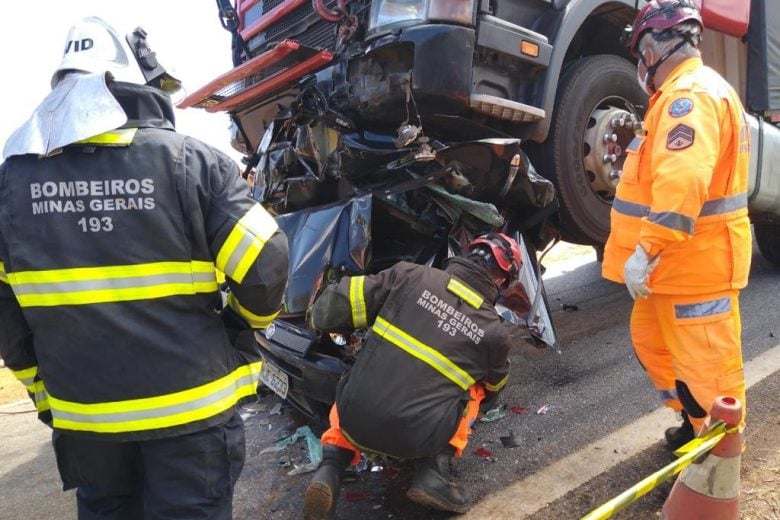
(593, 391)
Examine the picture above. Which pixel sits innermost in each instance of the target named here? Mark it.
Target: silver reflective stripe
(423, 352)
(630, 208)
(27, 381)
(241, 249)
(699, 310)
(671, 220)
(41, 396)
(724, 205)
(112, 283)
(667, 395)
(155, 413)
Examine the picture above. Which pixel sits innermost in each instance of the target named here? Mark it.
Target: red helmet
(659, 16)
(504, 249)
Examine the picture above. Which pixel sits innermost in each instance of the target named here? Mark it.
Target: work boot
(319, 503)
(433, 487)
(679, 436)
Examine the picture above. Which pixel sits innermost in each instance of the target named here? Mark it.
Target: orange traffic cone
(710, 489)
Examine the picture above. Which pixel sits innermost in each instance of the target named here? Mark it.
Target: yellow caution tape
(717, 427)
(708, 441)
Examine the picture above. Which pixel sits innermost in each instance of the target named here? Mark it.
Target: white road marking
(527, 496)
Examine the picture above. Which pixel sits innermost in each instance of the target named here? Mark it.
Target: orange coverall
(683, 196)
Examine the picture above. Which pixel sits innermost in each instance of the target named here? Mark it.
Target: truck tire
(768, 240)
(598, 96)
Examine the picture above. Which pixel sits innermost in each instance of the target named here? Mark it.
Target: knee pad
(689, 402)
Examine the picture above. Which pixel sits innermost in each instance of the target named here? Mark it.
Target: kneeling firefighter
(435, 349)
(112, 228)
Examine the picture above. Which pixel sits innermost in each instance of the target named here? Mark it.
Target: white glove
(637, 271)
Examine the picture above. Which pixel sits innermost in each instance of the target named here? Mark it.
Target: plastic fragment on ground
(510, 441)
(256, 407)
(519, 410)
(276, 410)
(482, 452)
(494, 414)
(543, 410)
(312, 443)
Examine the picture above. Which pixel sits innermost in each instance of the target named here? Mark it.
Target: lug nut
(609, 158)
(615, 174)
(610, 138)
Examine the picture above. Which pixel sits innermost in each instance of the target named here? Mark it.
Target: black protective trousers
(185, 477)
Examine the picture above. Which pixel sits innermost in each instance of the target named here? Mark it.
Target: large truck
(389, 130)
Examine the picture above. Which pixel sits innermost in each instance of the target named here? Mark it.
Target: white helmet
(94, 46)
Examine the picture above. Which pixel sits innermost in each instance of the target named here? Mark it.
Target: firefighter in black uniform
(112, 230)
(434, 351)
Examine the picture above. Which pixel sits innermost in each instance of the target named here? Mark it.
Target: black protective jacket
(108, 283)
(432, 335)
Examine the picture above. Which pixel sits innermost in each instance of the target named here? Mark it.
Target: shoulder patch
(680, 137)
(680, 107)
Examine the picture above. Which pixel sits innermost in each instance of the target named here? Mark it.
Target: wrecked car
(386, 204)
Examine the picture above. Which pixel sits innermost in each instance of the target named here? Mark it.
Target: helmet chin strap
(652, 69)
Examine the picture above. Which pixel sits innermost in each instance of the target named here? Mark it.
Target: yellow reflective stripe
(157, 412)
(114, 271)
(41, 397)
(423, 352)
(357, 301)
(87, 285)
(3, 276)
(255, 321)
(498, 386)
(120, 137)
(26, 377)
(245, 242)
(464, 292)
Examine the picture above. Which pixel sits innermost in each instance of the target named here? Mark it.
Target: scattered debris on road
(494, 414)
(312, 443)
(510, 441)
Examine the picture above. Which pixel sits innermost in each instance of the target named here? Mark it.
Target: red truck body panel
(727, 16)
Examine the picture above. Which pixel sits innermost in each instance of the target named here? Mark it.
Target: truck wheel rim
(608, 132)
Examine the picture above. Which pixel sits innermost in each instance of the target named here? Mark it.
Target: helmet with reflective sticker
(659, 16)
(94, 46)
(505, 251)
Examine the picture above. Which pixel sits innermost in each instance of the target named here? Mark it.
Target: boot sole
(318, 503)
(423, 498)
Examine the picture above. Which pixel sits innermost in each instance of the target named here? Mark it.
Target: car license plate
(274, 379)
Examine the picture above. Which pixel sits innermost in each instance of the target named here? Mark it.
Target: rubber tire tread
(582, 78)
(768, 241)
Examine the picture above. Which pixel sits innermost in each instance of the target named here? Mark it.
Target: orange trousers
(690, 347)
(335, 437)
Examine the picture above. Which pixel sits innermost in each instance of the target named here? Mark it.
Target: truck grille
(302, 25)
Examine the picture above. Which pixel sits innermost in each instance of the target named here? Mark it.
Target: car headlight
(391, 12)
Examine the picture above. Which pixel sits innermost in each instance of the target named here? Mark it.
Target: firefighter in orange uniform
(434, 352)
(680, 237)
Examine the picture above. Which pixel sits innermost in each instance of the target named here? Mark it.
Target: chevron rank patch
(680, 137)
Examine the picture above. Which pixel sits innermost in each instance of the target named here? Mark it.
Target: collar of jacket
(684, 67)
(475, 276)
(146, 107)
